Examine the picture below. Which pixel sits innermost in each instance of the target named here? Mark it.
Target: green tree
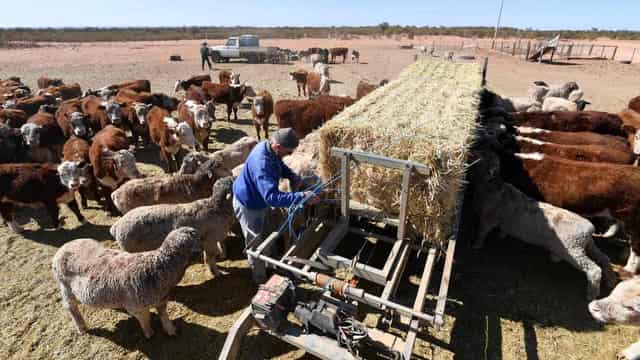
(383, 27)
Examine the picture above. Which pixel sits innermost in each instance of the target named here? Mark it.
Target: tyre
(215, 56)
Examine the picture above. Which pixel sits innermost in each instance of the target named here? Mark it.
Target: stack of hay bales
(428, 115)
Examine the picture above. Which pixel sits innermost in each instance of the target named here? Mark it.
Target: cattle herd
(546, 177)
(544, 170)
(60, 141)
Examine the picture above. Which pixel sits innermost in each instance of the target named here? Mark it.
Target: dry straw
(427, 115)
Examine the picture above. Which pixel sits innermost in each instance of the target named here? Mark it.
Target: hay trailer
(400, 155)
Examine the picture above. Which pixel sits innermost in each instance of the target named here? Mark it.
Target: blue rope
(296, 208)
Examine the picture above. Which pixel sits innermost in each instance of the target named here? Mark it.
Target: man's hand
(313, 200)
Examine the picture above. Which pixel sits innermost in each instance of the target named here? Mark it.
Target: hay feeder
(359, 169)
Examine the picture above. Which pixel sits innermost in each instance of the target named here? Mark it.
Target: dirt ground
(507, 302)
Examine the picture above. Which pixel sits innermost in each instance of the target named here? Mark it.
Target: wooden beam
(381, 160)
(419, 303)
(444, 284)
(346, 184)
(237, 332)
(391, 286)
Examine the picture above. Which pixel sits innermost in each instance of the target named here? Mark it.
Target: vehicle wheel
(252, 59)
(215, 57)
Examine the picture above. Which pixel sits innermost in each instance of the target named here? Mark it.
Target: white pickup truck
(243, 47)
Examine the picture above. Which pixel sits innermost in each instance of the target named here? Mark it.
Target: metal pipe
(349, 291)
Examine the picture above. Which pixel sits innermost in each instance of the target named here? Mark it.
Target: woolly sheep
(231, 156)
(560, 104)
(516, 104)
(169, 189)
(143, 228)
(566, 235)
(91, 274)
(622, 306)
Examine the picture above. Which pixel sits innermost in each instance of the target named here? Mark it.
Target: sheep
(91, 274)
(231, 156)
(622, 306)
(565, 234)
(517, 104)
(560, 104)
(143, 228)
(537, 93)
(169, 189)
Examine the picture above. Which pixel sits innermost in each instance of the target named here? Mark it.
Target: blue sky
(540, 14)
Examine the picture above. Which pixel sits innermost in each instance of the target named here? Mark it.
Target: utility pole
(495, 35)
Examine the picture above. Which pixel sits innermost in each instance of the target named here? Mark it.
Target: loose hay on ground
(428, 116)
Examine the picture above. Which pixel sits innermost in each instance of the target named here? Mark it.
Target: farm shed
(428, 116)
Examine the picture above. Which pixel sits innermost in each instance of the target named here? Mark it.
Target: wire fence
(527, 48)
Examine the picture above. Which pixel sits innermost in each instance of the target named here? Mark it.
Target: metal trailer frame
(389, 276)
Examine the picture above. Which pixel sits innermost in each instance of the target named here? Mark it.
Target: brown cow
(317, 84)
(13, 117)
(592, 153)
(302, 115)
(64, 92)
(587, 188)
(594, 121)
(231, 95)
(365, 88)
(631, 127)
(44, 138)
(101, 113)
(574, 138)
(72, 120)
(169, 135)
(634, 104)
(44, 82)
(194, 80)
(77, 150)
(339, 51)
(44, 185)
(198, 117)
(261, 111)
(31, 105)
(224, 77)
(113, 162)
(300, 77)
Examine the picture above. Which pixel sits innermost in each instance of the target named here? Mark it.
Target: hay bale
(428, 115)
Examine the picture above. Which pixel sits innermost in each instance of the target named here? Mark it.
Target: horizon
(571, 15)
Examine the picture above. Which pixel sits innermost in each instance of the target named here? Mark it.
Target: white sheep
(143, 228)
(561, 104)
(177, 189)
(231, 156)
(558, 90)
(566, 235)
(515, 104)
(622, 306)
(91, 274)
(537, 93)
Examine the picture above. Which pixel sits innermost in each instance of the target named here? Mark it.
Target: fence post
(602, 53)
(493, 44)
(502, 46)
(632, 55)
(528, 49)
(484, 71)
(569, 51)
(553, 52)
(513, 51)
(615, 50)
(590, 49)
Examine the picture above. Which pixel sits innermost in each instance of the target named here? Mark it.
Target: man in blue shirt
(256, 189)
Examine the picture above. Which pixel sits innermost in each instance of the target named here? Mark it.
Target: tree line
(90, 34)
